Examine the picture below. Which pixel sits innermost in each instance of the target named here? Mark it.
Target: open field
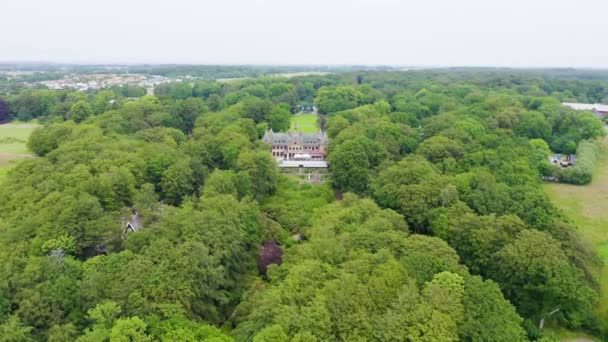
(306, 123)
(13, 139)
(588, 207)
(301, 73)
(284, 75)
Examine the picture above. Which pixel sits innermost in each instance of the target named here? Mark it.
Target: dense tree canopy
(431, 225)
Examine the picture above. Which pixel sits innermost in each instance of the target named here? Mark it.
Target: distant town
(102, 81)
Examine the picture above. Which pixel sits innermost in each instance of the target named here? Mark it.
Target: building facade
(296, 145)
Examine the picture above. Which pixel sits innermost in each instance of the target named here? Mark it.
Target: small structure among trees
(564, 160)
(270, 254)
(599, 110)
(133, 225)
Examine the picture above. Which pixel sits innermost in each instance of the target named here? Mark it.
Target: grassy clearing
(13, 139)
(588, 207)
(306, 123)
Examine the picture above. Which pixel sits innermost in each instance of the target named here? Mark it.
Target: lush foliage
(442, 230)
(582, 170)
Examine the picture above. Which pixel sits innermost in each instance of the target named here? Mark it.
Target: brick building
(296, 145)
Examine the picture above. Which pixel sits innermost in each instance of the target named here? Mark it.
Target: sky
(513, 33)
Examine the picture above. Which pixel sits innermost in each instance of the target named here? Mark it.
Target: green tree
(279, 118)
(12, 330)
(44, 140)
(177, 182)
(131, 329)
(80, 111)
(273, 333)
(262, 170)
(536, 259)
(334, 99)
(488, 315)
(350, 167)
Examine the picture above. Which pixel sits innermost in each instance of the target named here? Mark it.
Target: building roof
(587, 106)
(303, 163)
(298, 138)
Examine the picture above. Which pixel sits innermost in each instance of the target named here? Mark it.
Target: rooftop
(303, 163)
(587, 106)
(295, 138)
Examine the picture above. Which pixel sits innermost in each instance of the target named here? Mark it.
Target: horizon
(328, 65)
(467, 33)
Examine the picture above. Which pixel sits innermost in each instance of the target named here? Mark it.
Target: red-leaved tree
(271, 253)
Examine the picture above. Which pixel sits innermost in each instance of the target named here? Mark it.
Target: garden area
(305, 123)
(13, 139)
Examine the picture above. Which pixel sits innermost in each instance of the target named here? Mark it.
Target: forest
(433, 225)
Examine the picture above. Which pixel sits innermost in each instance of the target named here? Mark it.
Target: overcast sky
(519, 33)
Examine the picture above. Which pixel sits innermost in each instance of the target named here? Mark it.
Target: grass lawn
(588, 207)
(13, 139)
(306, 123)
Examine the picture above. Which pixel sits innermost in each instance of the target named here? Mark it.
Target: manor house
(297, 146)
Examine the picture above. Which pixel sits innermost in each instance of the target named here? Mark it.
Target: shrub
(582, 170)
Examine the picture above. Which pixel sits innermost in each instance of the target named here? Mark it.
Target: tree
(412, 187)
(105, 314)
(131, 329)
(12, 330)
(253, 108)
(188, 111)
(350, 167)
(534, 126)
(536, 259)
(46, 139)
(279, 118)
(273, 333)
(177, 182)
(214, 102)
(336, 124)
(438, 148)
(488, 315)
(65, 332)
(444, 293)
(103, 101)
(176, 90)
(334, 99)
(80, 111)
(205, 89)
(227, 182)
(271, 254)
(4, 111)
(262, 170)
(276, 89)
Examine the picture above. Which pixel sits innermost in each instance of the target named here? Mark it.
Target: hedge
(581, 172)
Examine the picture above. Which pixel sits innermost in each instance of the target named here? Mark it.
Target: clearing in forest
(13, 139)
(588, 206)
(305, 123)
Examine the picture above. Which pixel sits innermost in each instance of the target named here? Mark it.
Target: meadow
(305, 123)
(13, 140)
(587, 206)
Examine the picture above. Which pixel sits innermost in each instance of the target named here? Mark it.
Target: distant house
(308, 108)
(600, 110)
(297, 146)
